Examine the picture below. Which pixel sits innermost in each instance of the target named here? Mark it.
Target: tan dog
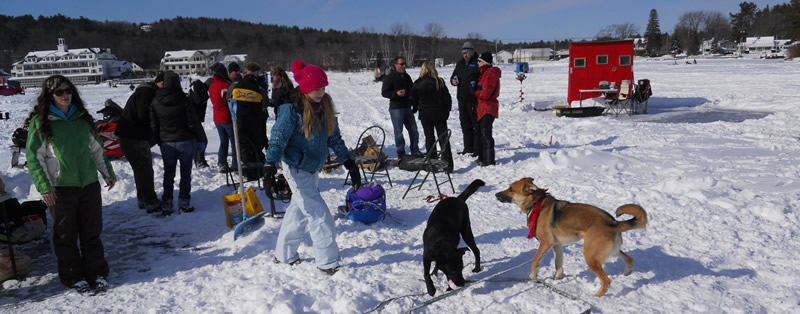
(560, 223)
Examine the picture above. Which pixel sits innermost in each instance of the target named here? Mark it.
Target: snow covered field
(716, 164)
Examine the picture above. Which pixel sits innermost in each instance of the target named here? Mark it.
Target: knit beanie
(233, 67)
(309, 77)
(486, 57)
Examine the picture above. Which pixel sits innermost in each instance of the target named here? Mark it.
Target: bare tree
(717, 26)
(687, 30)
(474, 36)
(435, 32)
(408, 46)
(618, 31)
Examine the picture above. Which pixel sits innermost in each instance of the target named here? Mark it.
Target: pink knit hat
(308, 77)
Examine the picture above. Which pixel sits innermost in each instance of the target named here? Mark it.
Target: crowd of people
(64, 164)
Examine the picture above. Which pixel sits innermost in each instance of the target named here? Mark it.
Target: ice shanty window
(602, 59)
(624, 60)
(580, 62)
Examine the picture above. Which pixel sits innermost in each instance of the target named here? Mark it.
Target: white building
(761, 44)
(198, 61)
(81, 66)
(185, 62)
(503, 57)
(532, 54)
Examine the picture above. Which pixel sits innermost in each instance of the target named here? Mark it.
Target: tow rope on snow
(486, 279)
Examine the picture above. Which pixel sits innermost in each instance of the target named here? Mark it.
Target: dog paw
(432, 292)
(532, 276)
(477, 269)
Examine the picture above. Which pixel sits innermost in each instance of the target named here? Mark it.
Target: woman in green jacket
(64, 154)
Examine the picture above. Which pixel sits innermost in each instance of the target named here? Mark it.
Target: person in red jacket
(217, 92)
(487, 91)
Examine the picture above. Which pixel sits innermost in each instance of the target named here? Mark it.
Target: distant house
(762, 44)
(562, 54)
(532, 54)
(228, 59)
(714, 46)
(185, 62)
(146, 28)
(503, 57)
(81, 66)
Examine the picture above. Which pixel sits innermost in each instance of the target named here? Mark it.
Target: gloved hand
(355, 175)
(269, 174)
(414, 109)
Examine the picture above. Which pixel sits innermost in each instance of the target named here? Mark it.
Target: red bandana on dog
(533, 216)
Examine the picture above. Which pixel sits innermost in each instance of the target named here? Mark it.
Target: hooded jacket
(71, 157)
(134, 123)
(217, 92)
(172, 119)
(488, 90)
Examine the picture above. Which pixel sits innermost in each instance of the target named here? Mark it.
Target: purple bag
(366, 205)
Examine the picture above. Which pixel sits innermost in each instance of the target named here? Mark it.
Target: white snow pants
(307, 208)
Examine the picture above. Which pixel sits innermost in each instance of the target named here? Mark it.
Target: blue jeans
(171, 153)
(225, 131)
(307, 208)
(404, 117)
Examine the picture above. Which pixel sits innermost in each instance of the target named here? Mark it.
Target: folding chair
(641, 94)
(431, 164)
(250, 167)
(620, 102)
(368, 154)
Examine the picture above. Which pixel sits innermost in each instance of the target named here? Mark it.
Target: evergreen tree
(653, 34)
(742, 22)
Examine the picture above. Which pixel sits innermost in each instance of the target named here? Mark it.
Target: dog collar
(533, 216)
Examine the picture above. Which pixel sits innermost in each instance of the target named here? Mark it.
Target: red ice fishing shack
(591, 63)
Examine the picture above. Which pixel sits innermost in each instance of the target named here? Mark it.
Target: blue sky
(508, 21)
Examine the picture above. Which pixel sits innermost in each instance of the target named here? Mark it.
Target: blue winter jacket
(288, 143)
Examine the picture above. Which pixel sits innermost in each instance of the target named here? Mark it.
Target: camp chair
(431, 164)
(641, 94)
(252, 170)
(368, 154)
(620, 101)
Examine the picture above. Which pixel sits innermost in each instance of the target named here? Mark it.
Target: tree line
(782, 21)
(266, 44)
(270, 44)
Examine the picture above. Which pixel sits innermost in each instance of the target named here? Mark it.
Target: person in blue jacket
(305, 129)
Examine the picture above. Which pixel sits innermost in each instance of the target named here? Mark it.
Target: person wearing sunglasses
(397, 86)
(465, 77)
(64, 154)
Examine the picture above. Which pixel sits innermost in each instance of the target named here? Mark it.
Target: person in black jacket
(250, 93)
(396, 87)
(281, 88)
(465, 76)
(136, 139)
(176, 129)
(431, 97)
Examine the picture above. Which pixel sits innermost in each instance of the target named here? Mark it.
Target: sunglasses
(466, 52)
(60, 92)
(403, 64)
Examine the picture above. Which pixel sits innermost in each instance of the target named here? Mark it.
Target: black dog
(448, 220)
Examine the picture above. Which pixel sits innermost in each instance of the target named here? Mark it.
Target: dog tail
(639, 220)
(471, 189)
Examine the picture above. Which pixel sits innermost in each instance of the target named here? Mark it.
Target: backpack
(279, 189)
(20, 137)
(367, 205)
(26, 221)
